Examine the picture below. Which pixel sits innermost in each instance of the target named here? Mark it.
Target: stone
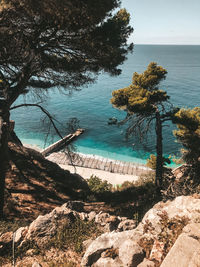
(20, 233)
(126, 225)
(114, 240)
(5, 242)
(182, 251)
(36, 264)
(111, 223)
(44, 227)
(157, 251)
(146, 263)
(83, 216)
(186, 207)
(87, 243)
(91, 215)
(101, 218)
(107, 262)
(30, 252)
(6, 237)
(195, 261)
(130, 253)
(192, 229)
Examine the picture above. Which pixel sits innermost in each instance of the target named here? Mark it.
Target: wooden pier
(95, 162)
(62, 143)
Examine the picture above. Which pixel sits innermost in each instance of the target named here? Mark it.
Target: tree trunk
(4, 131)
(159, 151)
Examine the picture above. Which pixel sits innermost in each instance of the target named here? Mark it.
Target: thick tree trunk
(4, 131)
(159, 151)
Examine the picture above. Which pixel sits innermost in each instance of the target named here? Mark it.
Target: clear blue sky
(164, 21)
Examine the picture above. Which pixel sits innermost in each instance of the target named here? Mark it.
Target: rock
(30, 252)
(195, 261)
(20, 233)
(182, 252)
(101, 218)
(108, 262)
(126, 225)
(157, 251)
(44, 227)
(87, 243)
(83, 216)
(91, 215)
(184, 209)
(6, 237)
(192, 229)
(36, 264)
(106, 242)
(147, 263)
(5, 242)
(182, 206)
(111, 223)
(130, 253)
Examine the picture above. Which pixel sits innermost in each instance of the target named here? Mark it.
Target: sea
(92, 109)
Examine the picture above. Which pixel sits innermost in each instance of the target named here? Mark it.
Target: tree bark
(4, 132)
(159, 151)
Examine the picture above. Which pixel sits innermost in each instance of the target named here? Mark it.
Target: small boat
(112, 120)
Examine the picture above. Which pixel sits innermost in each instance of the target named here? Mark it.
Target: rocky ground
(47, 226)
(168, 235)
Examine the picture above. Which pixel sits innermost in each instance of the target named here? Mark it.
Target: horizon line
(166, 44)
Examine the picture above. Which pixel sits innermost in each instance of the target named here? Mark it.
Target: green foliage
(188, 134)
(151, 161)
(96, 185)
(143, 193)
(144, 103)
(143, 95)
(146, 179)
(64, 43)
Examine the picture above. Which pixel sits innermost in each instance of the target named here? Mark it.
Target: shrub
(98, 186)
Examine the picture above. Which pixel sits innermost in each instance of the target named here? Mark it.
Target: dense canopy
(59, 43)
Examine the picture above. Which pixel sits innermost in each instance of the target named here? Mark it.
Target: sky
(164, 21)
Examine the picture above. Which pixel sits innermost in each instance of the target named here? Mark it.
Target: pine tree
(144, 103)
(62, 43)
(188, 134)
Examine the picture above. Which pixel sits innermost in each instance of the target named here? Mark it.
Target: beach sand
(112, 178)
(86, 173)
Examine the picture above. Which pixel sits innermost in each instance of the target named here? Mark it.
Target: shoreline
(96, 156)
(112, 176)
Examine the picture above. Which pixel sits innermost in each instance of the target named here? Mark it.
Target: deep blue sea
(91, 106)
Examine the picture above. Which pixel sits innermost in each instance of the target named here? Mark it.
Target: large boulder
(45, 227)
(186, 250)
(119, 247)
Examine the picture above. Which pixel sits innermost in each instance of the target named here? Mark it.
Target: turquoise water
(91, 105)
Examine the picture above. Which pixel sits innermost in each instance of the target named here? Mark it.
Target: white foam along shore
(113, 178)
(122, 163)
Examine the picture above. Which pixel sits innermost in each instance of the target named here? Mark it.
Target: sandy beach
(114, 178)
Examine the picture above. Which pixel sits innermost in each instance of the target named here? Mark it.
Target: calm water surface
(91, 105)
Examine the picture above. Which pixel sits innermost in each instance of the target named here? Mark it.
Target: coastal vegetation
(66, 44)
(144, 104)
(188, 134)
